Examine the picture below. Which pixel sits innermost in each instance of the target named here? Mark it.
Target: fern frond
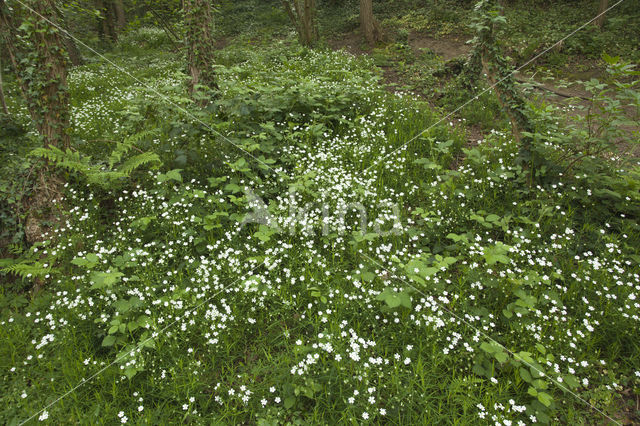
(124, 146)
(24, 270)
(139, 160)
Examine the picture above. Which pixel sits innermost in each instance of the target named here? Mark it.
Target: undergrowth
(284, 256)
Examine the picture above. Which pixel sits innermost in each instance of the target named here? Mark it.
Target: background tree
(2, 100)
(198, 22)
(604, 4)
(302, 14)
(120, 16)
(107, 21)
(369, 24)
(69, 43)
(36, 52)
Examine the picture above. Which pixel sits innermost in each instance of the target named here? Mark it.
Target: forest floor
(316, 247)
(564, 89)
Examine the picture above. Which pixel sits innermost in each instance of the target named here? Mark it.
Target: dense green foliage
(209, 265)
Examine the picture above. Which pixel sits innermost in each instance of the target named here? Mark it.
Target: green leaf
(545, 399)
(502, 357)
(289, 402)
(130, 372)
(395, 299)
(174, 175)
(526, 376)
(488, 347)
(109, 340)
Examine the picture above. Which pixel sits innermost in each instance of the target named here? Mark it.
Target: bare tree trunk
(40, 47)
(4, 103)
(369, 23)
(198, 28)
(121, 18)
(604, 4)
(107, 20)
(302, 15)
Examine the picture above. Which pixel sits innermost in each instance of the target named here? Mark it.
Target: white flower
(365, 415)
(44, 416)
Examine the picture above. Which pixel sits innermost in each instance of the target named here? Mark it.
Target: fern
(25, 270)
(98, 174)
(123, 147)
(139, 160)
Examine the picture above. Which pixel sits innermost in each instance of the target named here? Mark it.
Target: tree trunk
(107, 20)
(604, 4)
(40, 47)
(121, 18)
(368, 22)
(4, 103)
(302, 15)
(198, 18)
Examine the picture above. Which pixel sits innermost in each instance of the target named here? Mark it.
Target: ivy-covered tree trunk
(36, 53)
(198, 20)
(369, 24)
(302, 14)
(486, 58)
